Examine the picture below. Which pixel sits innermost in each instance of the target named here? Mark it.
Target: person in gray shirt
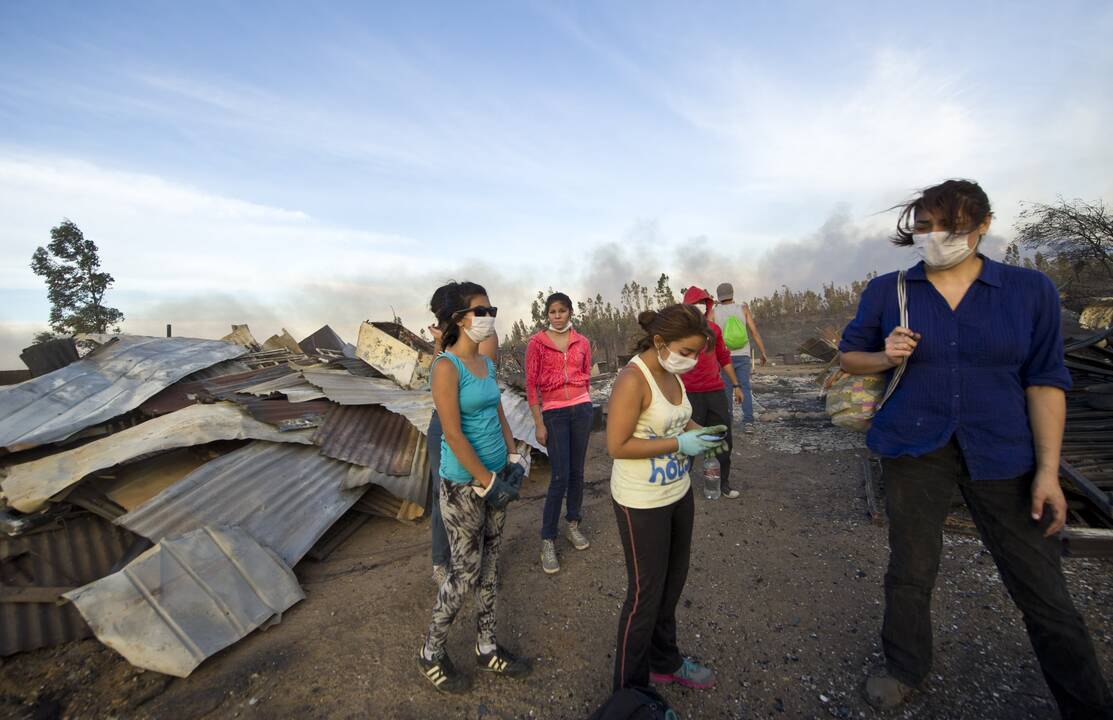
(740, 357)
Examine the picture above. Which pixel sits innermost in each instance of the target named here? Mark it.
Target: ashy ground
(784, 599)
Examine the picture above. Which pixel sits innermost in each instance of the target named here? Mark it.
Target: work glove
(702, 441)
(504, 487)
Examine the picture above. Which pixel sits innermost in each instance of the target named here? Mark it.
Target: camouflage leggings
(475, 535)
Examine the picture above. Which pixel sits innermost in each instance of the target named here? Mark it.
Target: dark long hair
(954, 202)
(558, 297)
(672, 323)
(447, 301)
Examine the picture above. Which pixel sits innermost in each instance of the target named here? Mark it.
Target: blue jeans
(569, 430)
(442, 554)
(742, 365)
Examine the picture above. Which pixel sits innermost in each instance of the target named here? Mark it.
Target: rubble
(235, 459)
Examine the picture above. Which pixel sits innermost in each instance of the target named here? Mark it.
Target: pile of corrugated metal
(1087, 458)
(158, 492)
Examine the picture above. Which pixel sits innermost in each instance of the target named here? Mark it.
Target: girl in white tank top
(658, 481)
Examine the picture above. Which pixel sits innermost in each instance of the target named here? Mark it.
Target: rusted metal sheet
(284, 414)
(371, 436)
(30, 485)
(397, 353)
(43, 564)
(47, 357)
(284, 496)
(285, 341)
(224, 386)
(346, 389)
(187, 598)
(379, 501)
(111, 380)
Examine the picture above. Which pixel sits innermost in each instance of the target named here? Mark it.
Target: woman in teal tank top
(475, 447)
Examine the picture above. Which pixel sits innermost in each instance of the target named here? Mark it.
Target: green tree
(1078, 231)
(70, 265)
(1012, 254)
(663, 295)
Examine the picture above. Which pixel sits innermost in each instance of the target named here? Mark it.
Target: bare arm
(629, 398)
(752, 325)
(446, 396)
(1047, 412)
(733, 375)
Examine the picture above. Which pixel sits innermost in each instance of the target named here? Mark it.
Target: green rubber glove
(701, 440)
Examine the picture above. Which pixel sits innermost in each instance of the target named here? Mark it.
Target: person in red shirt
(704, 383)
(558, 370)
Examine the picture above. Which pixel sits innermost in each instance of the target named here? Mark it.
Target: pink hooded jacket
(555, 376)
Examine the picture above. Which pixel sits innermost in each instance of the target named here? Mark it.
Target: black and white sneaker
(443, 674)
(502, 662)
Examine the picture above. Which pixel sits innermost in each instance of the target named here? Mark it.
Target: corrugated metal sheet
(379, 501)
(285, 496)
(30, 485)
(346, 389)
(283, 342)
(413, 487)
(355, 366)
(326, 339)
(518, 416)
(113, 379)
(78, 551)
(371, 436)
(284, 414)
(225, 385)
(187, 598)
(47, 357)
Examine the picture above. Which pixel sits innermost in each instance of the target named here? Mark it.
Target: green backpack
(734, 333)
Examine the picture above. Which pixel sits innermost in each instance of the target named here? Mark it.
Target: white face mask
(481, 328)
(676, 363)
(566, 328)
(941, 250)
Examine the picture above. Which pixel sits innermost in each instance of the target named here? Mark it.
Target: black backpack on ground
(635, 703)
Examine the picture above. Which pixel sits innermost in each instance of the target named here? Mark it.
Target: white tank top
(659, 481)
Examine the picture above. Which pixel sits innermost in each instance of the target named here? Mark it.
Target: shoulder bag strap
(898, 372)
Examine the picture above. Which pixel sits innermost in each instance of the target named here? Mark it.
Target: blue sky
(291, 166)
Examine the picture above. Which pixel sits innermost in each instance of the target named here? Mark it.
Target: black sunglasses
(479, 310)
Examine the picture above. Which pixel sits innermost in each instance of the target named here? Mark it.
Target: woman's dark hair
(672, 323)
(448, 300)
(558, 298)
(952, 203)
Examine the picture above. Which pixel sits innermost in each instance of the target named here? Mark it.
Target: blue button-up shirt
(968, 373)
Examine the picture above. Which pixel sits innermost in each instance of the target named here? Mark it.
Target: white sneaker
(577, 538)
(549, 562)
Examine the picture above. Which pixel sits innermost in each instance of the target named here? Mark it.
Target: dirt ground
(784, 600)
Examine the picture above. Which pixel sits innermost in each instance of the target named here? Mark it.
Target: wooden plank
(1087, 542)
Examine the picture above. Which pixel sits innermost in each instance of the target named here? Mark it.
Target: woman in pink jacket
(558, 368)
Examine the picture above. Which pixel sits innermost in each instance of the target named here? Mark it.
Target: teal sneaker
(690, 674)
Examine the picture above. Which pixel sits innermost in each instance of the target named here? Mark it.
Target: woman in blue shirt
(981, 406)
(474, 449)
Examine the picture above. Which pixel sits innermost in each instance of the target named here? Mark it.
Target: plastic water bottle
(712, 478)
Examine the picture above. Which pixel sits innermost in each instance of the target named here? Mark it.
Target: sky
(290, 165)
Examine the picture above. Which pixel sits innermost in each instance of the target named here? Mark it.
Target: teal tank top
(479, 420)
